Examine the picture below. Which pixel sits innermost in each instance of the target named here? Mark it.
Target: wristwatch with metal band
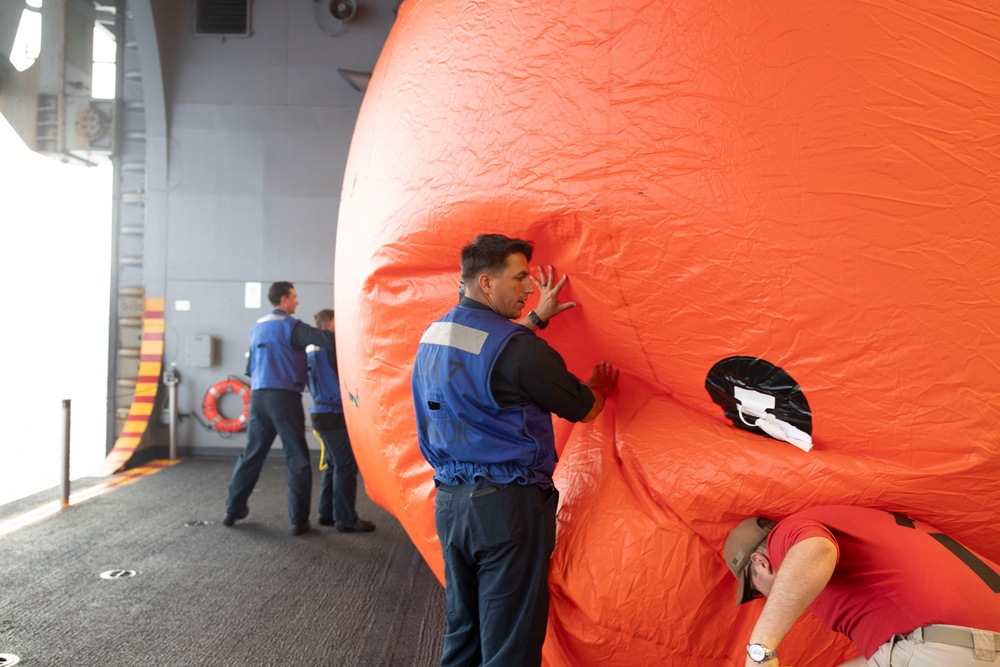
(536, 320)
(760, 653)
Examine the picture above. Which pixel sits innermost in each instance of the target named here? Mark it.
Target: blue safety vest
(462, 431)
(324, 385)
(274, 364)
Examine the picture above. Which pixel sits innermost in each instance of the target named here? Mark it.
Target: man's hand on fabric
(548, 294)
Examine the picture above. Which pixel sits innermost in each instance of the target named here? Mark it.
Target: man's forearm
(596, 408)
(304, 335)
(804, 573)
(601, 384)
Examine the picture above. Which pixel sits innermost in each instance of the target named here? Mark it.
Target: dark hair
(489, 253)
(278, 290)
(767, 525)
(323, 317)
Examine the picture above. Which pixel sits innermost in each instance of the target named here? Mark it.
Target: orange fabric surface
(813, 184)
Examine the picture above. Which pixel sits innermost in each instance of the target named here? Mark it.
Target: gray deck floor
(204, 594)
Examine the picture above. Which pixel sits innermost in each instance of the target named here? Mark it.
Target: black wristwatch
(536, 320)
(760, 653)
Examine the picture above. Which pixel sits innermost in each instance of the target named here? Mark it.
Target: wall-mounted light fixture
(343, 10)
(331, 15)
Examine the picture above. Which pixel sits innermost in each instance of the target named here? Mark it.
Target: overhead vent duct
(222, 17)
(358, 80)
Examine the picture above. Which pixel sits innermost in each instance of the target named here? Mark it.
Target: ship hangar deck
(201, 593)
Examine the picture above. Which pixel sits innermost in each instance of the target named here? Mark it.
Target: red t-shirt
(893, 574)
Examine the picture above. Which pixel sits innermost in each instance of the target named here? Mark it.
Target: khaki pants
(939, 646)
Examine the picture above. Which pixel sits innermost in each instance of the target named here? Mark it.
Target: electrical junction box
(201, 351)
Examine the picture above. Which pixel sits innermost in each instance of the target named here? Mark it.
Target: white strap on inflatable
(756, 405)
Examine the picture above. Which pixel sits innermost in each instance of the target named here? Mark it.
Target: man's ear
(485, 283)
(757, 558)
(767, 563)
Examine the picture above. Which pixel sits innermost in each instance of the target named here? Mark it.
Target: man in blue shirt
(484, 391)
(277, 368)
(339, 482)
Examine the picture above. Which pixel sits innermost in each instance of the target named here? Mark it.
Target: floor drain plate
(197, 522)
(113, 574)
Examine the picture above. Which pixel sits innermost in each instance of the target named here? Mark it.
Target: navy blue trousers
(497, 540)
(274, 412)
(338, 488)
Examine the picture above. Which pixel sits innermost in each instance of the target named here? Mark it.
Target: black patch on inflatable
(790, 404)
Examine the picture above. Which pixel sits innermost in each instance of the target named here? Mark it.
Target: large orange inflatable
(779, 208)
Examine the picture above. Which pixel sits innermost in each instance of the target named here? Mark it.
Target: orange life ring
(210, 406)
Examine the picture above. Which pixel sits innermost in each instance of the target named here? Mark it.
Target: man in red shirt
(906, 594)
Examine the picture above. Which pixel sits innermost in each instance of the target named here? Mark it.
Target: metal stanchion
(66, 404)
(172, 379)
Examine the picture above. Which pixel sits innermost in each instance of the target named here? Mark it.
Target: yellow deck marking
(49, 509)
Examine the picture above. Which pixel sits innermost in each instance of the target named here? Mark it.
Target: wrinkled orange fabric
(813, 184)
